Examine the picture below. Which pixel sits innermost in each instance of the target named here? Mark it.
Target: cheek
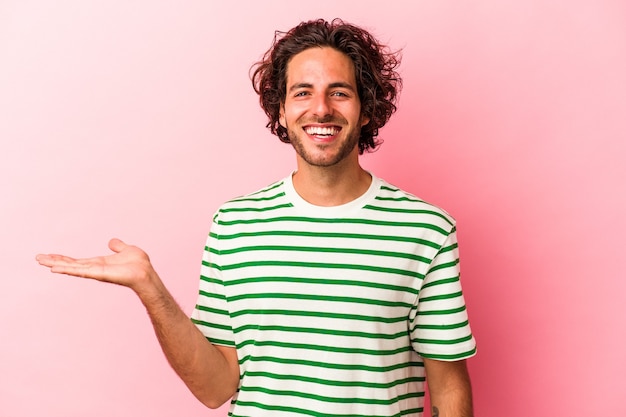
(292, 115)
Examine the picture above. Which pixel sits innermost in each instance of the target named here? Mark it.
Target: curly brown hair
(378, 83)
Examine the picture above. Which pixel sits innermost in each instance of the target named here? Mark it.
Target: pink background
(137, 119)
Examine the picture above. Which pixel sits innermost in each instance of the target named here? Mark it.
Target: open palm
(128, 265)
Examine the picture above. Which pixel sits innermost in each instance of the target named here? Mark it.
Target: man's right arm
(211, 372)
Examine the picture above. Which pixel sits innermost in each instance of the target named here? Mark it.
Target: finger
(87, 268)
(61, 260)
(60, 264)
(116, 245)
(84, 271)
(52, 259)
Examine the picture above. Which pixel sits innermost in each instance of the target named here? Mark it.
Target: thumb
(116, 245)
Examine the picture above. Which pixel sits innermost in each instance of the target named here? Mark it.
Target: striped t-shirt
(332, 308)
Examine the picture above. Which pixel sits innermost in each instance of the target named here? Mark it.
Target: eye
(339, 94)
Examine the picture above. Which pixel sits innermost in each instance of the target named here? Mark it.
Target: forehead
(320, 65)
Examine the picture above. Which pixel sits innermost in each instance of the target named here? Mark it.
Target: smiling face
(322, 110)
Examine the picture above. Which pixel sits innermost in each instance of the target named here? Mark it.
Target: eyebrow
(338, 84)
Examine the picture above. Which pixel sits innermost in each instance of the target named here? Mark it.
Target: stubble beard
(346, 148)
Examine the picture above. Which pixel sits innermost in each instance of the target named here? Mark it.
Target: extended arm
(211, 372)
(449, 387)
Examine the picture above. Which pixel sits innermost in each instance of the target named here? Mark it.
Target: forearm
(449, 388)
(452, 403)
(210, 373)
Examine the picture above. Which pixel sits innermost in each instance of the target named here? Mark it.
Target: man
(330, 292)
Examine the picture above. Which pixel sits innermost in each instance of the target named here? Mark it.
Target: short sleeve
(439, 323)
(211, 313)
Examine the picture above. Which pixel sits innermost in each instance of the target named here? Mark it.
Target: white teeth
(321, 131)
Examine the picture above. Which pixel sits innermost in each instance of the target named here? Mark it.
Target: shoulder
(268, 198)
(402, 204)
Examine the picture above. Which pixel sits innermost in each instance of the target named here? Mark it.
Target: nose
(321, 106)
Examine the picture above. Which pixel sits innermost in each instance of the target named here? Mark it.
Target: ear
(364, 120)
(281, 116)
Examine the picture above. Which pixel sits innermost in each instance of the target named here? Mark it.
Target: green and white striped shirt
(331, 309)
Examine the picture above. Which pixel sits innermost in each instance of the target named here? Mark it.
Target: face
(322, 111)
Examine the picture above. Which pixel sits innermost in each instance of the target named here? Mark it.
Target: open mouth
(322, 131)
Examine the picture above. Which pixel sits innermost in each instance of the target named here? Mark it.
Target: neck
(330, 186)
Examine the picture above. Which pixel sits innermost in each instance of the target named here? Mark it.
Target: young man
(330, 292)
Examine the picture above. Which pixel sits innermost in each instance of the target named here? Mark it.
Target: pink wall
(136, 119)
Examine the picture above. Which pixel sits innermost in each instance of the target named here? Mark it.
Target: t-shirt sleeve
(211, 313)
(439, 325)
